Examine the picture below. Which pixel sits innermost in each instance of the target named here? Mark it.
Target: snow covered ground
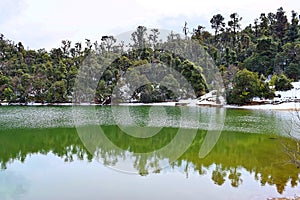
(286, 101)
(282, 106)
(149, 104)
(290, 95)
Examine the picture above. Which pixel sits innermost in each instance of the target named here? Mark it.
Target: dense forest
(250, 60)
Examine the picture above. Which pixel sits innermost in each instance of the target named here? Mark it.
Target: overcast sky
(44, 23)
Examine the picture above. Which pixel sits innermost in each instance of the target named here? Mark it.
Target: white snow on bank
(282, 106)
(284, 100)
(149, 104)
(289, 100)
(290, 95)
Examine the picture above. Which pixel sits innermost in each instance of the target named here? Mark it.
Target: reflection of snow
(12, 186)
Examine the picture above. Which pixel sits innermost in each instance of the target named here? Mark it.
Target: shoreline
(279, 107)
(287, 106)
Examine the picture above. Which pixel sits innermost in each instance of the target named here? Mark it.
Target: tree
(293, 71)
(57, 92)
(235, 25)
(153, 38)
(280, 25)
(246, 86)
(228, 75)
(66, 44)
(262, 60)
(293, 33)
(107, 43)
(8, 94)
(185, 30)
(288, 57)
(198, 34)
(271, 45)
(256, 27)
(264, 25)
(281, 82)
(217, 23)
(271, 18)
(3, 79)
(139, 37)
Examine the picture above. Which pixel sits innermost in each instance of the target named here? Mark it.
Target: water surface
(43, 155)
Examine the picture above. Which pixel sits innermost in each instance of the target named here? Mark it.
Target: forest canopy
(267, 51)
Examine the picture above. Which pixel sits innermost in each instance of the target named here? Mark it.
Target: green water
(109, 153)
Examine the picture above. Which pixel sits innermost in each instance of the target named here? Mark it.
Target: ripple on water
(186, 117)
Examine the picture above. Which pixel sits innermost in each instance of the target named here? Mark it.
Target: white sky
(44, 23)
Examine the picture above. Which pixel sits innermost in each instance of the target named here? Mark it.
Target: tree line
(247, 59)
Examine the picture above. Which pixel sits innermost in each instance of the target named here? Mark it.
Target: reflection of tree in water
(140, 114)
(258, 154)
(235, 177)
(218, 175)
(234, 153)
(142, 164)
(292, 129)
(62, 142)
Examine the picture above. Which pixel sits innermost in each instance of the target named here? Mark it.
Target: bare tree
(185, 30)
(293, 131)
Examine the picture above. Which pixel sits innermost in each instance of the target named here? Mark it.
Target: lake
(145, 152)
